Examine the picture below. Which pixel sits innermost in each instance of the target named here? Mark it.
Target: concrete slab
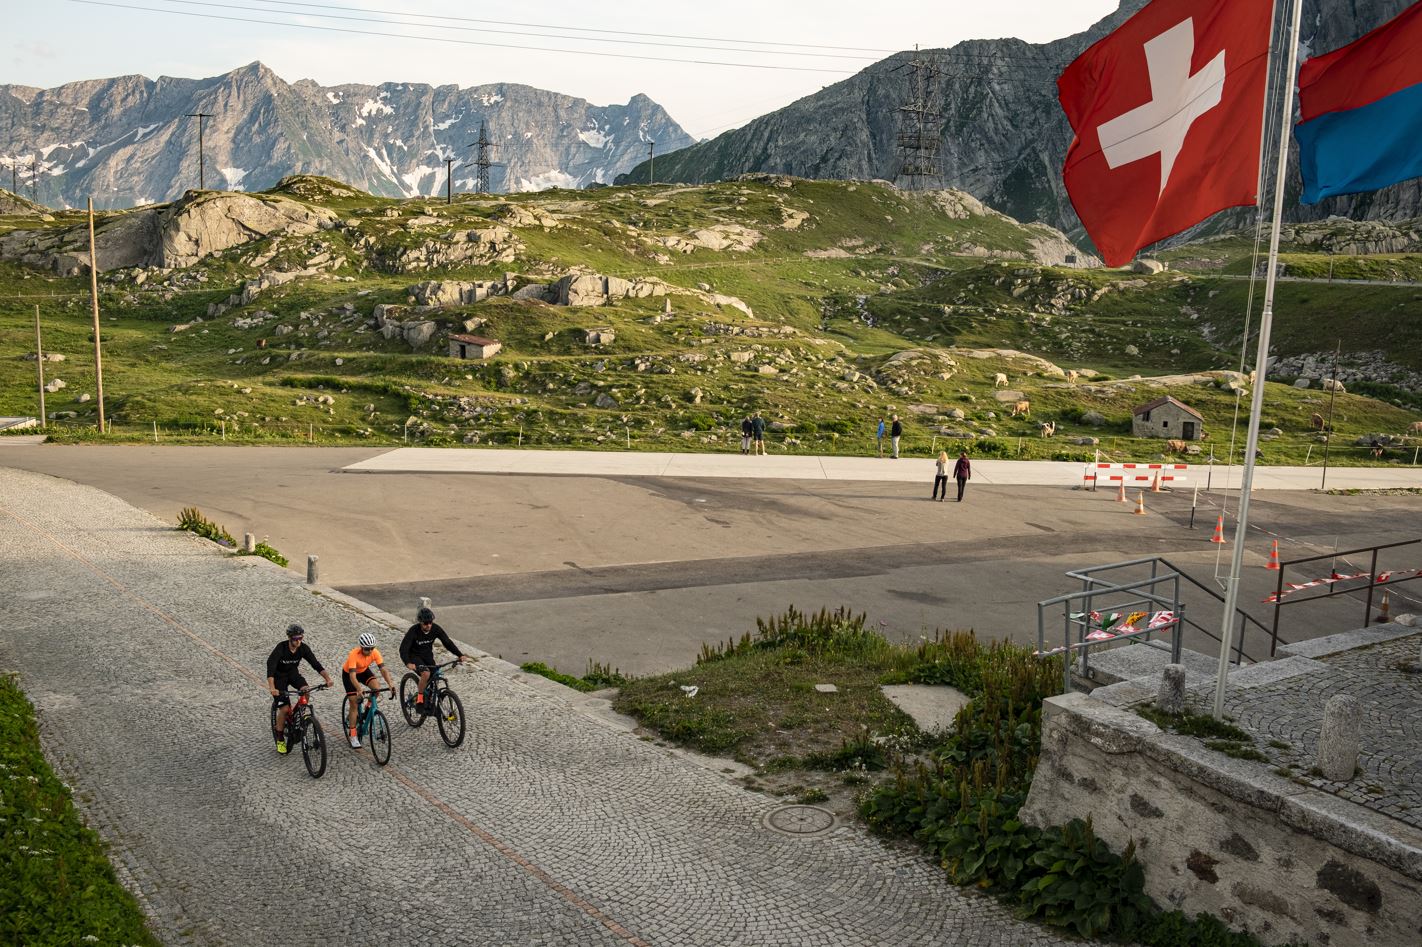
(17, 423)
(809, 467)
(1348, 640)
(1142, 663)
(1269, 672)
(932, 706)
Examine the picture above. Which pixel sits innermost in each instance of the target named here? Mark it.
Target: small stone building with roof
(472, 346)
(1169, 418)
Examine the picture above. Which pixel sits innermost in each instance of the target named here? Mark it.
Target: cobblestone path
(143, 649)
(1287, 716)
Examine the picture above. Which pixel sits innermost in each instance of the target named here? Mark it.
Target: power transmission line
(579, 29)
(482, 163)
(201, 117)
(462, 42)
(485, 29)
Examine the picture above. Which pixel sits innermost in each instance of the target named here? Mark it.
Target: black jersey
(283, 663)
(417, 647)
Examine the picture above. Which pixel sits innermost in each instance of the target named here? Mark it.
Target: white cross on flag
(1167, 112)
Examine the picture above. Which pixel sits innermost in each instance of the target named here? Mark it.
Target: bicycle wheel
(409, 690)
(313, 747)
(451, 719)
(379, 737)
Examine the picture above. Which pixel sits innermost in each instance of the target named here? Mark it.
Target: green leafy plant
(266, 552)
(190, 519)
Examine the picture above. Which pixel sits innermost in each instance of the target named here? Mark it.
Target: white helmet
(367, 640)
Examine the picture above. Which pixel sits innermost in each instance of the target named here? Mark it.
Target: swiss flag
(1167, 112)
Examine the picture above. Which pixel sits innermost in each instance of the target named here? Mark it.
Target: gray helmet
(424, 615)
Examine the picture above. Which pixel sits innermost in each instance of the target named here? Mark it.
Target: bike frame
(365, 713)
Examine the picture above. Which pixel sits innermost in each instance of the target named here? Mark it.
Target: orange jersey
(357, 662)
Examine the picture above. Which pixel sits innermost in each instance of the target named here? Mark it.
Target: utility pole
(39, 366)
(651, 162)
(12, 180)
(1328, 425)
(34, 178)
(202, 182)
(94, 294)
(482, 164)
(449, 181)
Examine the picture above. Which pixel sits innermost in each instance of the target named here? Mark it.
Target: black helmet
(424, 615)
(294, 630)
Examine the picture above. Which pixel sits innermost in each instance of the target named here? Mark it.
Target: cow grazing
(1415, 427)
(1047, 428)
(261, 343)
(1023, 409)
(1316, 420)
(1174, 446)
(1330, 384)
(1072, 375)
(999, 380)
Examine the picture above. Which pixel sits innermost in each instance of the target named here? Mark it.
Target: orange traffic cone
(1383, 612)
(1121, 492)
(1218, 537)
(1140, 509)
(1155, 484)
(1273, 562)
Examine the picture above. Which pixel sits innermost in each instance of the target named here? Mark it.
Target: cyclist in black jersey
(284, 670)
(417, 651)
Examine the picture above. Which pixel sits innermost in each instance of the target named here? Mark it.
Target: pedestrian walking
(757, 434)
(746, 434)
(879, 438)
(962, 472)
(896, 431)
(940, 479)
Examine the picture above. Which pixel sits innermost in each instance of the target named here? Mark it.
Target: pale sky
(52, 42)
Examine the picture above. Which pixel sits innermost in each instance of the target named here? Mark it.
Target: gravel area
(143, 649)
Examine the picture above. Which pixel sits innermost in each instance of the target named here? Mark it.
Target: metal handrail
(1244, 616)
(1372, 574)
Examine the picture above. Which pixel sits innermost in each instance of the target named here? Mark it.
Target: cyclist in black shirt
(417, 651)
(284, 670)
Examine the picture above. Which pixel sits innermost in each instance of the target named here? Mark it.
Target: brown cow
(1175, 447)
(1047, 428)
(1415, 427)
(1316, 420)
(1023, 408)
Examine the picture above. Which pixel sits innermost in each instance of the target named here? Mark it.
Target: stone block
(1338, 741)
(1170, 699)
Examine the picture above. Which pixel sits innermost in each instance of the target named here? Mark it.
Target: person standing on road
(355, 672)
(746, 434)
(284, 671)
(962, 471)
(879, 438)
(896, 431)
(417, 652)
(940, 479)
(757, 434)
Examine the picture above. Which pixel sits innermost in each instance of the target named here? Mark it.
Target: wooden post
(94, 294)
(39, 366)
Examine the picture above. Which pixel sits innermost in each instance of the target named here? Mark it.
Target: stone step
(1143, 661)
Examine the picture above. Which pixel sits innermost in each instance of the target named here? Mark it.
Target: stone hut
(1166, 417)
(472, 346)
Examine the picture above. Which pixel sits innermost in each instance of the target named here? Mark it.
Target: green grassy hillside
(822, 304)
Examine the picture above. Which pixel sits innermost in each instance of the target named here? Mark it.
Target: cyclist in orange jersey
(355, 672)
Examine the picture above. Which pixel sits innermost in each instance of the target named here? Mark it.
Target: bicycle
(449, 711)
(370, 719)
(303, 727)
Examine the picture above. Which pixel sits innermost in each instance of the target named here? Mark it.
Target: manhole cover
(800, 820)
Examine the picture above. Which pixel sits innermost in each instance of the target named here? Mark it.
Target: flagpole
(1261, 363)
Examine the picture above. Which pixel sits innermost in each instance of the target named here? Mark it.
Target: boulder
(1144, 265)
(604, 400)
(418, 333)
(1301, 383)
(54, 384)
(204, 223)
(1093, 418)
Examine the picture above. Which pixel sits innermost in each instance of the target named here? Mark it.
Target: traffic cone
(1155, 484)
(1218, 537)
(1140, 509)
(1121, 492)
(1383, 616)
(1273, 563)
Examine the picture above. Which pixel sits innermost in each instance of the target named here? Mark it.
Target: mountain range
(129, 140)
(1004, 135)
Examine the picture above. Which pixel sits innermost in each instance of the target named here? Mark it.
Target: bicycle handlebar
(438, 667)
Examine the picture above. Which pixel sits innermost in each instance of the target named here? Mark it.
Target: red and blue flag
(1361, 110)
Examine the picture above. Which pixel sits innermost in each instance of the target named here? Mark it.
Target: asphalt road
(639, 572)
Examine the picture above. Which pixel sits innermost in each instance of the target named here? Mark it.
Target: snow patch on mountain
(234, 178)
(333, 98)
(441, 126)
(595, 138)
(374, 107)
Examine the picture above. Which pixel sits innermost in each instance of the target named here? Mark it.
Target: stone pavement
(806, 467)
(142, 649)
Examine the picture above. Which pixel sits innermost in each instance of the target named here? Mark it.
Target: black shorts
(422, 662)
(366, 677)
(758, 435)
(283, 697)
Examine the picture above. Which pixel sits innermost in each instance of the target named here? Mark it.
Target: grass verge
(56, 884)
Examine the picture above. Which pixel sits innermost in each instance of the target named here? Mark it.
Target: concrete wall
(1177, 419)
(1228, 837)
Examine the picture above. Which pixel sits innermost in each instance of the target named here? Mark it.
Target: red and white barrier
(1135, 473)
